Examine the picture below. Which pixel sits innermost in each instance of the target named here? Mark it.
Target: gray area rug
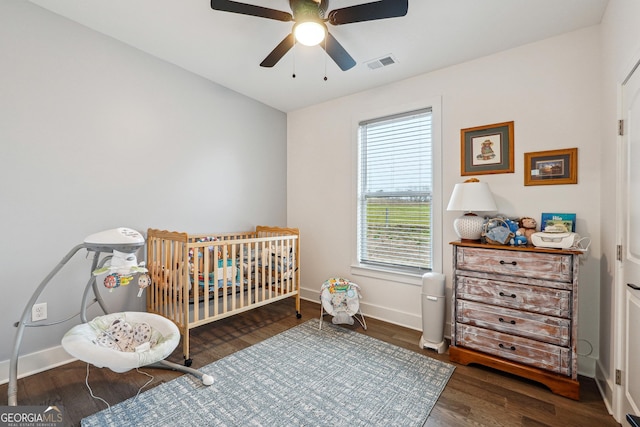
(300, 377)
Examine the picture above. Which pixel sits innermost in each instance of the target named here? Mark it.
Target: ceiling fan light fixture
(310, 33)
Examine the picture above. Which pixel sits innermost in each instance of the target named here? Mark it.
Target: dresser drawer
(522, 350)
(539, 265)
(554, 302)
(539, 327)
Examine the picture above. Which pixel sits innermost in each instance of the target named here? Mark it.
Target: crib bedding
(282, 263)
(234, 272)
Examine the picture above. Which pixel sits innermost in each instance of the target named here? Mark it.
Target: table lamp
(471, 195)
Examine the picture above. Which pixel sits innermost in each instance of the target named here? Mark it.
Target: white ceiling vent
(381, 62)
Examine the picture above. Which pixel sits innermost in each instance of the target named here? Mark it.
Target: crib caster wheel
(188, 362)
(298, 315)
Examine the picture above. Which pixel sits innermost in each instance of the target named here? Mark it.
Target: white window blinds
(394, 194)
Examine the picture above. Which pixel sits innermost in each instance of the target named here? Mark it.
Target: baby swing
(340, 298)
(118, 341)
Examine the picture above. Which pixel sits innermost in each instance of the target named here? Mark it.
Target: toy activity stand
(340, 298)
(120, 245)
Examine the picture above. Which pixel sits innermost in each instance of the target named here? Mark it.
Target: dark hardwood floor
(475, 396)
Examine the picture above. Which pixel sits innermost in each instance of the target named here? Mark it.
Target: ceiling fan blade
(280, 50)
(338, 53)
(369, 11)
(249, 9)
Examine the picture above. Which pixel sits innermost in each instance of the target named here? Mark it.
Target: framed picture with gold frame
(487, 149)
(553, 167)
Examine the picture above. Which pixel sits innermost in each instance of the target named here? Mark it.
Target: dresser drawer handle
(513, 322)
(504, 262)
(504, 347)
(502, 294)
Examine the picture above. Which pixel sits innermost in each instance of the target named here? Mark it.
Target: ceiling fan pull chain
(325, 60)
(293, 76)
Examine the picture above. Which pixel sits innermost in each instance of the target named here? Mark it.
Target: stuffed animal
(527, 227)
(512, 225)
(519, 240)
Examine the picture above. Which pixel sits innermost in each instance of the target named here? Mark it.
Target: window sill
(386, 274)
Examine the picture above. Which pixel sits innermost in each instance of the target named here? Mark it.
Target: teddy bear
(527, 227)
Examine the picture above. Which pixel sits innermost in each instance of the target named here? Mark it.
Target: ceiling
(227, 48)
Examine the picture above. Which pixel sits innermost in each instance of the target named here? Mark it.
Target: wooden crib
(200, 278)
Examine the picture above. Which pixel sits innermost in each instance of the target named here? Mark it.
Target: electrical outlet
(39, 312)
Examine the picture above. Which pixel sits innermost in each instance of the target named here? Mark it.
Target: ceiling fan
(310, 15)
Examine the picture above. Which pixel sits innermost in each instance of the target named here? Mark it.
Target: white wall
(550, 89)
(620, 35)
(95, 135)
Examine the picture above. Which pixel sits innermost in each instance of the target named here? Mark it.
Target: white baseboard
(29, 364)
(605, 387)
(396, 317)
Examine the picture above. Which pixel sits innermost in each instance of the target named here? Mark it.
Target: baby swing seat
(340, 298)
(123, 341)
(119, 341)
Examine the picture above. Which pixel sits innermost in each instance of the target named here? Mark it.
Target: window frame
(389, 273)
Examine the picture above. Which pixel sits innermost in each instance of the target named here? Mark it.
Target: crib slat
(215, 288)
(241, 274)
(208, 281)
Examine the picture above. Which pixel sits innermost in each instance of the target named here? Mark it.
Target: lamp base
(469, 227)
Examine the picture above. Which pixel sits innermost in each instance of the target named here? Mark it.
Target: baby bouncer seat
(123, 341)
(340, 298)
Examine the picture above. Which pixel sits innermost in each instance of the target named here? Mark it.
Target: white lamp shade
(472, 196)
(309, 33)
(467, 197)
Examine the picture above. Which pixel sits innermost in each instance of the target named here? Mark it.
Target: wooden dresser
(516, 309)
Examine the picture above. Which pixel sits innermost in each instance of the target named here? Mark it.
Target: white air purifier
(433, 312)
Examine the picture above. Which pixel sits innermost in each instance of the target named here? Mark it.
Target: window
(395, 192)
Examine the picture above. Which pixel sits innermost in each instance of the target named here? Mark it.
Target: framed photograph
(551, 167)
(487, 149)
(559, 222)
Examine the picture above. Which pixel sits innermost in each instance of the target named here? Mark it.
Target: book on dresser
(515, 309)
